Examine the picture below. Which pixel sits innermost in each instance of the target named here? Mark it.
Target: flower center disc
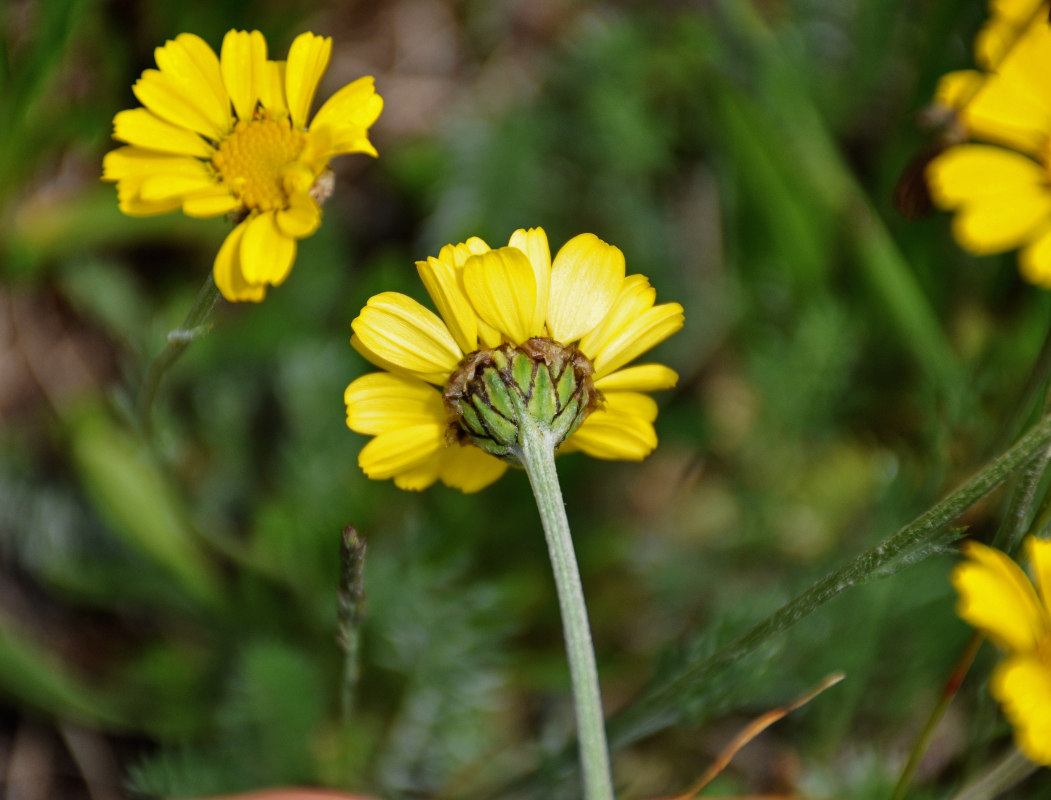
(253, 160)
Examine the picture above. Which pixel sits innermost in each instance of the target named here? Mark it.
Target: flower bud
(492, 390)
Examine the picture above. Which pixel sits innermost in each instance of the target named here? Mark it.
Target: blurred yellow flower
(997, 598)
(1001, 190)
(487, 298)
(230, 135)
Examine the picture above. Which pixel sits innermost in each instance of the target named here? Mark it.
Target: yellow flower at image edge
(561, 332)
(997, 598)
(231, 134)
(1000, 190)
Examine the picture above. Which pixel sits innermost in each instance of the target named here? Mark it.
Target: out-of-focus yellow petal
(996, 597)
(272, 87)
(1022, 684)
(502, 288)
(172, 101)
(161, 187)
(1038, 552)
(211, 203)
(969, 171)
(227, 270)
(381, 402)
(586, 277)
(347, 116)
(244, 69)
(1007, 21)
(301, 218)
(141, 164)
(266, 253)
(192, 64)
(307, 60)
(442, 282)
(1034, 262)
(469, 469)
(993, 224)
(401, 450)
(130, 203)
(143, 128)
(641, 378)
(533, 243)
(407, 336)
(957, 89)
(1004, 112)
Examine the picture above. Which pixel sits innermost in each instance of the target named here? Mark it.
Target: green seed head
(492, 390)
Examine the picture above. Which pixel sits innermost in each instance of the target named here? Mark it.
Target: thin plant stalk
(1005, 774)
(351, 614)
(196, 324)
(952, 685)
(536, 452)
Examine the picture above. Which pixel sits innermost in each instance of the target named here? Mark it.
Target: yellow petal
(212, 203)
(969, 171)
(135, 162)
(996, 597)
(636, 296)
(404, 334)
(993, 224)
(347, 115)
(161, 187)
(443, 285)
(644, 332)
(421, 476)
(191, 63)
(244, 69)
(301, 218)
(956, 89)
(1022, 684)
(266, 253)
(130, 203)
(502, 288)
(622, 431)
(533, 243)
(143, 128)
(401, 450)
(172, 101)
(586, 277)
(381, 402)
(307, 61)
(1005, 111)
(641, 378)
(227, 270)
(457, 254)
(1034, 262)
(272, 87)
(1038, 552)
(469, 469)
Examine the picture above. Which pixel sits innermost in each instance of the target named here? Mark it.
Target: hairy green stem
(536, 452)
(195, 325)
(658, 706)
(351, 613)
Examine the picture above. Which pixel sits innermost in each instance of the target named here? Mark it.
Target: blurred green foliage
(842, 369)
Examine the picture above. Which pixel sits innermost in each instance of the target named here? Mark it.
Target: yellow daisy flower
(577, 313)
(1000, 190)
(229, 134)
(997, 598)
